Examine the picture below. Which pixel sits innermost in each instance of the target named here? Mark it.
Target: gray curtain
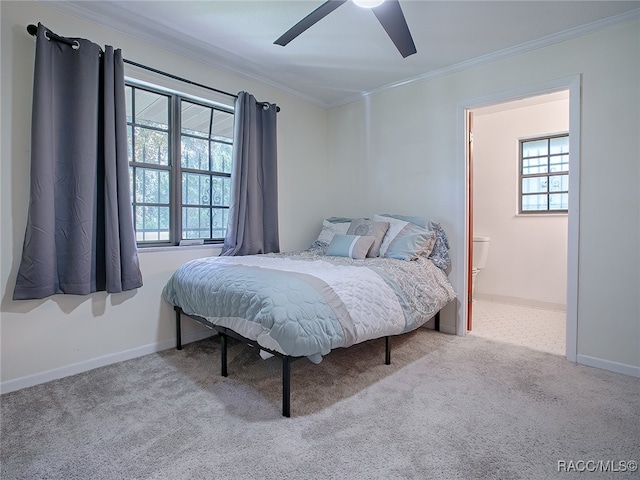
(79, 237)
(253, 212)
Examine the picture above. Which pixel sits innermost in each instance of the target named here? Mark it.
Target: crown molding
(220, 59)
(502, 54)
(230, 63)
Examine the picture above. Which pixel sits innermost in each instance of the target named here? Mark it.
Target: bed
(362, 279)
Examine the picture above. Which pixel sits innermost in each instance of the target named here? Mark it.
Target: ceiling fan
(388, 13)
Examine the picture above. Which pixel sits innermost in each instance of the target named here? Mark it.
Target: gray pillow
(353, 246)
(410, 246)
(365, 227)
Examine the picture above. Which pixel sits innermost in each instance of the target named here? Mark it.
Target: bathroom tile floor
(536, 328)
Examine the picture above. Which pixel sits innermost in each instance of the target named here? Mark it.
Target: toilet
(480, 255)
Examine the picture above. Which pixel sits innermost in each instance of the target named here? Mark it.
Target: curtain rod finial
(32, 29)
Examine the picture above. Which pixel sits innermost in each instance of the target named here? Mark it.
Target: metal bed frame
(225, 332)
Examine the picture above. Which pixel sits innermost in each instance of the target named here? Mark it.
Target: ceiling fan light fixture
(390, 17)
(368, 3)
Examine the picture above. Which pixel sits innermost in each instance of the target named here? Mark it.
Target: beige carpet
(447, 408)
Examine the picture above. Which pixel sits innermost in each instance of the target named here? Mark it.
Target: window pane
(130, 143)
(151, 146)
(530, 170)
(196, 189)
(534, 185)
(196, 119)
(534, 165)
(152, 186)
(559, 163)
(534, 202)
(196, 222)
(535, 148)
(195, 153)
(559, 145)
(559, 201)
(128, 91)
(152, 109)
(559, 183)
(131, 189)
(219, 222)
(221, 157)
(152, 223)
(221, 191)
(222, 125)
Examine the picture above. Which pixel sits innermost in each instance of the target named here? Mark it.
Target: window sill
(173, 248)
(541, 214)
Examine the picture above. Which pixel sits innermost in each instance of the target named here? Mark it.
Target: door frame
(574, 85)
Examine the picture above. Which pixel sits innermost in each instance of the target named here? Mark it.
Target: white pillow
(395, 226)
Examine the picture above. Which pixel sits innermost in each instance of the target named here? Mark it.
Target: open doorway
(530, 268)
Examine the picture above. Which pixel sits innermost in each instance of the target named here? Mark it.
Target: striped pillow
(354, 246)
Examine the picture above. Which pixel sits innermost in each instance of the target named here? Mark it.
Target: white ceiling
(347, 54)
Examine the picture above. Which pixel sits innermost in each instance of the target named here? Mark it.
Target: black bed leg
(286, 386)
(178, 330)
(223, 354)
(436, 324)
(387, 351)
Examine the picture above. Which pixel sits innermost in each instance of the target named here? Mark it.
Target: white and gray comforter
(305, 303)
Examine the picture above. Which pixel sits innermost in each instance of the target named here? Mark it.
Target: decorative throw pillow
(440, 254)
(354, 246)
(329, 229)
(364, 227)
(405, 240)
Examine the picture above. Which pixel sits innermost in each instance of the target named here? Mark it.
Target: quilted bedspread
(306, 304)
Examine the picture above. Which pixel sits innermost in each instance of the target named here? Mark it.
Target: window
(544, 174)
(180, 166)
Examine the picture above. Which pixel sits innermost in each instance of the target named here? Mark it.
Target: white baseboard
(623, 368)
(520, 301)
(81, 367)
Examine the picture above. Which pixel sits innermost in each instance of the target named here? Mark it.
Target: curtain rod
(175, 77)
(33, 30)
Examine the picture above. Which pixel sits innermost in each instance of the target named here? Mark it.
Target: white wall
(64, 334)
(397, 150)
(409, 149)
(527, 253)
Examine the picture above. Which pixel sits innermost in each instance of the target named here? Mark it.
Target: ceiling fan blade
(390, 16)
(318, 14)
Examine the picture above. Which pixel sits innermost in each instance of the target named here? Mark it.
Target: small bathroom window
(544, 174)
